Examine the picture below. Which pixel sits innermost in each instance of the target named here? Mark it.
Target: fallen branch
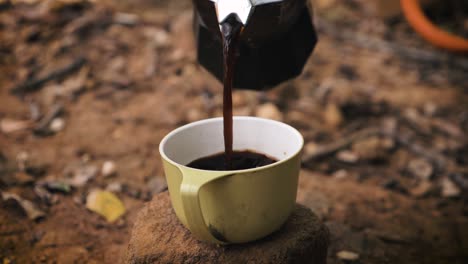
(332, 148)
(374, 43)
(426, 127)
(36, 84)
(435, 158)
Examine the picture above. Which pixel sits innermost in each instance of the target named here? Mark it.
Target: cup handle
(189, 190)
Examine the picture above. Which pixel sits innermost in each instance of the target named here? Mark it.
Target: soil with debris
(88, 89)
(302, 239)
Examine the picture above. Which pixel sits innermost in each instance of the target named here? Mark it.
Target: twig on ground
(332, 148)
(36, 84)
(426, 127)
(434, 157)
(374, 43)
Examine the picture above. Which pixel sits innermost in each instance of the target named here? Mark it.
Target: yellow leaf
(106, 204)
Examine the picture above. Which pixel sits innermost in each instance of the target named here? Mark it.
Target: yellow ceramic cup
(232, 206)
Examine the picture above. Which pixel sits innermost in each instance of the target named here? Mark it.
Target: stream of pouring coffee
(231, 30)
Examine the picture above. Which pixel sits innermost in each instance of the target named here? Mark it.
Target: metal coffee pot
(277, 39)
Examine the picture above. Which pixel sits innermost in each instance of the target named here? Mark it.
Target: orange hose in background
(414, 14)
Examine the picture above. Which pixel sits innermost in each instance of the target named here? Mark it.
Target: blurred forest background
(89, 88)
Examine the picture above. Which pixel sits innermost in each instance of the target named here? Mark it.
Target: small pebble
(449, 189)
(57, 125)
(332, 115)
(239, 99)
(311, 148)
(347, 156)
(194, 114)
(86, 157)
(126, 19)
(108, 168)
(420, 168)
(347, 255)
(269, 111)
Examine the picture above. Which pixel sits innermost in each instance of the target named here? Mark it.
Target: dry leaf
(29, 208)
(106, 204)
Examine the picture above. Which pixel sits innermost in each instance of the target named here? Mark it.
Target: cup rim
(217, 119)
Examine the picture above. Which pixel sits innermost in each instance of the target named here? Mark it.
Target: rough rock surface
(159, 237)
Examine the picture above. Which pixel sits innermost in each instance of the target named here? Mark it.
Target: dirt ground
(384, 115)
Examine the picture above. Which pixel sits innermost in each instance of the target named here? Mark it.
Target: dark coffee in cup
(240, 160)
